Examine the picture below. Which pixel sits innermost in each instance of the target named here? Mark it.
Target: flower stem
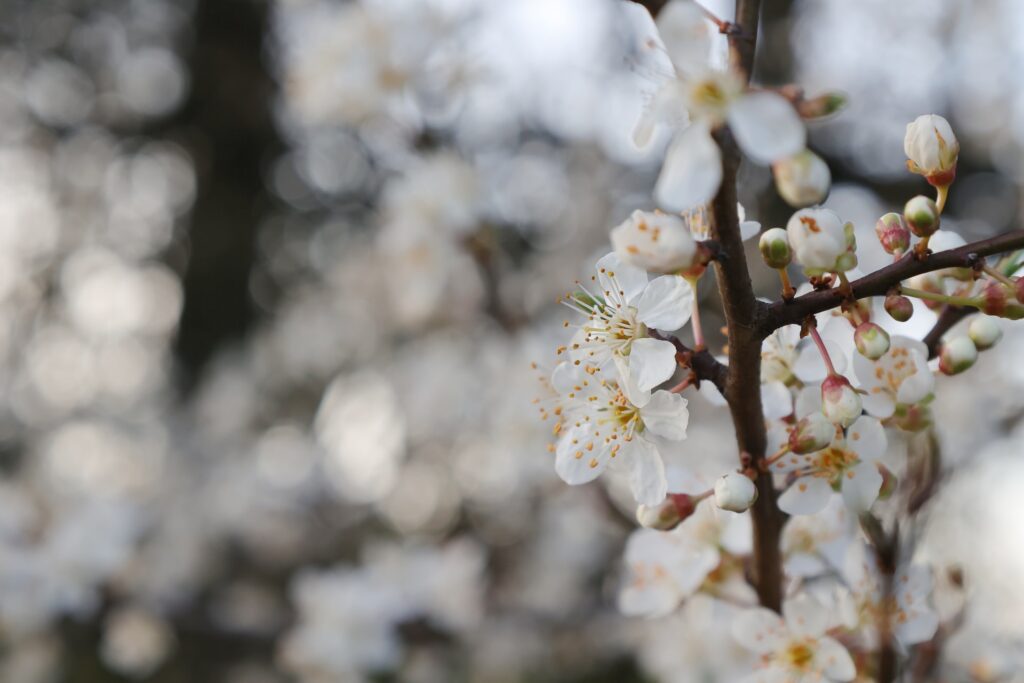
(698, 330)
(813, 331)
(787, 287)
(941, 298)
(774, 456)
(999, 276)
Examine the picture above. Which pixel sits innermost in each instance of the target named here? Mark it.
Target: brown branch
(653, 6)
(881, 281)
(743, 314)
(950, 316)
(704, 365)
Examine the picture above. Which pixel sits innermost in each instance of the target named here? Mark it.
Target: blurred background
(272, 279)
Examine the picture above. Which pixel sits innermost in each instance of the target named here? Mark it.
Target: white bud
(819, 240)
(932, 149)
(871, 340)
(667, 514)
(735, 492)
(840, 403)
(984, 332)
(803, 179)
(655, 241)
(957, 354)
(774, 246)
(811, 433)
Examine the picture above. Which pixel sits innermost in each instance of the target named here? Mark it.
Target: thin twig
(881, 281)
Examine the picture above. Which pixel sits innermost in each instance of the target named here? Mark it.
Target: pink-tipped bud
(669, 513)
(840, 402)
(957, 354)
(922, 215)
(735, 492)
(893, 233)
(1019, 289)
(811, 434)
(871, 340)
(899, 307)
(995, 297)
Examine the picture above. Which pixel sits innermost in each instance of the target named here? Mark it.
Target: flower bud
(893, 234)
(669, 513)
(984, 332)
(848, 259)
(922, 215)
(811, 433)
(999, 300)
(821, 106)
(1019, 288)
(818, 238)
(840, 402)
(735, 492)
(957, 354)
(802, 179)
(932, 149)
(871, 340)
(655, 241)
(899, 307)
(774, 246)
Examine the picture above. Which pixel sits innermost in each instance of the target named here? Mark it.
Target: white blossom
(821, 242)
(793, 647)
(931, 148)
(849, 465)
(900, 378)
(618, 314)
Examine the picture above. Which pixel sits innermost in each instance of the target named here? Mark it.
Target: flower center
(799, 655)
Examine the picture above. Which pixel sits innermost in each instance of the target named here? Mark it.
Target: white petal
(666, 415)
(861, 486)
(766, 126)
(692, 171)
(834, 660)
(773, 674)
(651, 362)
(618, 280)
(646, 471)
(916, 387)
(918, 628)
(759, 630)
(806, 496)
(878, 402)
(810, 366)
(776, 400)
(866, 437)
(574, 463)
(666, 303)
(805, 616)
(808, 400)
(712, 395)
(667, 106)
(749, 229)
(686, 33)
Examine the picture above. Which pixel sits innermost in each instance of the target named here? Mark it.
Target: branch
(881, 281)
(704, 365)
(743, 315)
(950, 316)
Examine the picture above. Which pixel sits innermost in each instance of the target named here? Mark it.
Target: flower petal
(776, 399)
(666, 303)
(646, 471)
(619, 281)
(861, 485)
(806, 496)
(666, 415)
(835, 660)
(692, 171)
(805, 616)
(759, 630)
(686, 33)
(866, 437)
(651, 362)
(574, 463)
(767, 127)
